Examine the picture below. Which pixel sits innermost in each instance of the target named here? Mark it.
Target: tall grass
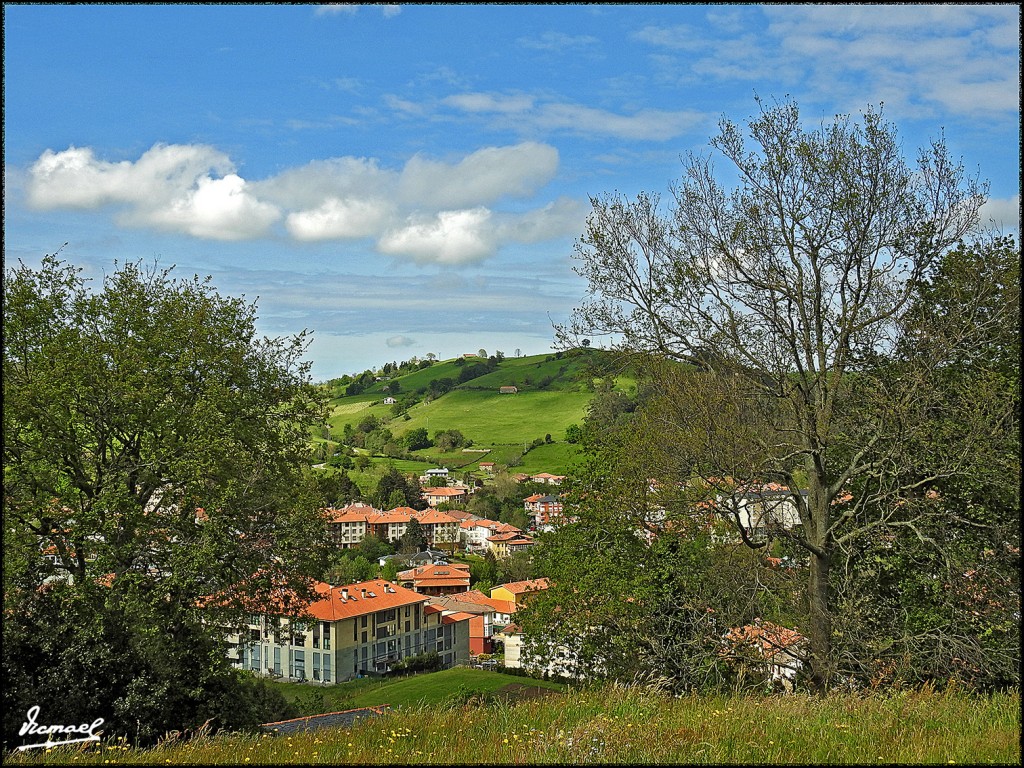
(617, 725)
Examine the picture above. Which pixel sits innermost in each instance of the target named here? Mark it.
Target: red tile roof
(379, 595)
(520, 587)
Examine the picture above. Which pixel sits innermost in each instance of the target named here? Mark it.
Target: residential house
(544, 510)
(434, 475)
(481, 620)
(520, 654)
(476, 532)
(503, 609)
(436, 579)
(508, 543)
(414, 559)
(349, 631)
(548, 478)
(487, 466)
(438, 496)
(517, 592)
(761, 507)
(389, 401)
(765, 648)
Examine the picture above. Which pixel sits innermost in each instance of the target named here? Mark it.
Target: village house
(509, 390)
(438, 496)
(503, 609)
(351, 630)
(508, 543)
(476, 532)
(767, 649)
(432, 476)
(558, 660)
(481, 620)
(518, 592)
(545, 511)
(348, 526)
(548, 478)
(436, 579)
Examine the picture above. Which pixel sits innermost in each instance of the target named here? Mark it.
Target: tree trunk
(820, 620)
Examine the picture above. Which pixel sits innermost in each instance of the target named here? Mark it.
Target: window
(327, 667)
(316, 636)
(256, 658)
(364, 637)
(299, 663)
(326, 635)
(277, 661)
(316, 666)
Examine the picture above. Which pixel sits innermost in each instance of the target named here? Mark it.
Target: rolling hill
(553, 392)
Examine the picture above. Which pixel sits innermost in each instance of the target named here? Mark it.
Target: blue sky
(411, 179)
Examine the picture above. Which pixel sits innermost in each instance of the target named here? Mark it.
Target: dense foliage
(821, 332)
(155, 455)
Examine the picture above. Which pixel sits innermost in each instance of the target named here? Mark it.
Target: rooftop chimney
(344, 593)
(363, 591)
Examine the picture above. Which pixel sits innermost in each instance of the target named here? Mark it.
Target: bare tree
(791, 289)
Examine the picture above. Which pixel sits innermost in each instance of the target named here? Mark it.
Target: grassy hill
(553, 393)
(418, 690)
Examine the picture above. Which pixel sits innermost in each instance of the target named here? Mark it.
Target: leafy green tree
(417, 439)
(336, 488)
(158, 448)
(789, 292)
(414, 539)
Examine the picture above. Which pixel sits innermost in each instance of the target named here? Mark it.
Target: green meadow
(615, 725)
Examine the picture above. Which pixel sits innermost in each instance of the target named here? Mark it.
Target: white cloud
(524, 112)
(482, 177)
(560, 218)
(429, 210)
(1004, 214)
(169, 188)
(74, 178)
(399, 341)
(217, 209)
(557, 41)
(334, 9)
(337, 219)
(450, 237)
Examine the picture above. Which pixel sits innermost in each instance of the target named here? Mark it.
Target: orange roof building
(349, 630)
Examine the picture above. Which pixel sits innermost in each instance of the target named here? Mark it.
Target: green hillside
(553, 392)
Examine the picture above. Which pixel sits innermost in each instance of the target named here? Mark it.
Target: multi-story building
(351, 630)
(348, 526)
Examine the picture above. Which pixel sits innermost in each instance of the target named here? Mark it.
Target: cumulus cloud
(337, 219)
(449, 237)
(217, 209)
(428, 210)
(399, 341)
(482, 177)
(171, 187)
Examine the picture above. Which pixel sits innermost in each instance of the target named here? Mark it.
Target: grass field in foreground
(614, 725)
(425, 689)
